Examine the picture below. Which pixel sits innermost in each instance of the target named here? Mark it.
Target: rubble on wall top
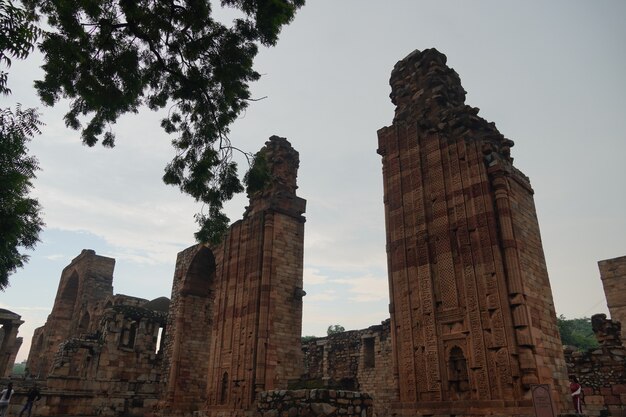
(607, 331)
(428, 92)
(283, 162)
(138, 313)
(272, 179)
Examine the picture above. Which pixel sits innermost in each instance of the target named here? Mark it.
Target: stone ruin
(231, 330)
(613, 275)
(97, 354)
(9, 342)
(472, 315)
(472, 329)
(236, 314)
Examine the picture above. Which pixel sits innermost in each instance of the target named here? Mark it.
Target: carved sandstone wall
(472, 316)
(235, 320)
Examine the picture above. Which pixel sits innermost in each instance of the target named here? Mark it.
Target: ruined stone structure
(602, 371)
(357, 360)
(9, 342)
(472, 329)
(236, 314)
(231, 331)
(314, 403)
(613, 275)
(85, 282)
(472, 317)
(97, 354)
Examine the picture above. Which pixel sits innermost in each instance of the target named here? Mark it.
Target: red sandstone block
(612, 400)
(594, 400)
(619, 389)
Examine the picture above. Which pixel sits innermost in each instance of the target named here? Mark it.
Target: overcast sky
(549, 74)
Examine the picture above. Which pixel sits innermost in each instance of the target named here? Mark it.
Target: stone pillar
(255, 339)
(241, 335)
(472, 317)
(9, 343)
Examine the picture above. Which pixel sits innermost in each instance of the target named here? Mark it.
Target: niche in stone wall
(128, 334)
(369, 353)
(224, 389)
(458, 379)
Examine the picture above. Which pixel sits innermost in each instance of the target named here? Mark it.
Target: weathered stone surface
(233, 325)
(356, 360)
(472, 315)
(236, 315)
(97, 354)
(613, 275)
(308, 403)
(9, 342)
(601, 371)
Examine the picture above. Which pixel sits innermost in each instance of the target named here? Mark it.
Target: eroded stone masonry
(472, 328)
(9, 342)
(236, 314)
(472, 318)
(602, 371)
(97, 354)
(231, 330)
(613, 275)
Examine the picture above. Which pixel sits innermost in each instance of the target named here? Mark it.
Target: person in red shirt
(577, 394)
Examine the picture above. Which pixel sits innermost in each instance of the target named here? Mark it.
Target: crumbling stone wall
(87, 280)
(314, 403)
(472, 316)
(602, 371)
(358, 360)
(236, 315)
(97, 354)
(613, 275)
(187, 345)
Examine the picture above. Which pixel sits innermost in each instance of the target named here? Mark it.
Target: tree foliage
(577, 332)
(335, 328)
(109, 57)
(20, 223)
(18, 35)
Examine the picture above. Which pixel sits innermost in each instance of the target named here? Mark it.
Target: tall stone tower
(471, 305)
(236, 312)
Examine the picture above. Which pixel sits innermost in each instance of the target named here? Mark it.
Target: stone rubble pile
(314, 403)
